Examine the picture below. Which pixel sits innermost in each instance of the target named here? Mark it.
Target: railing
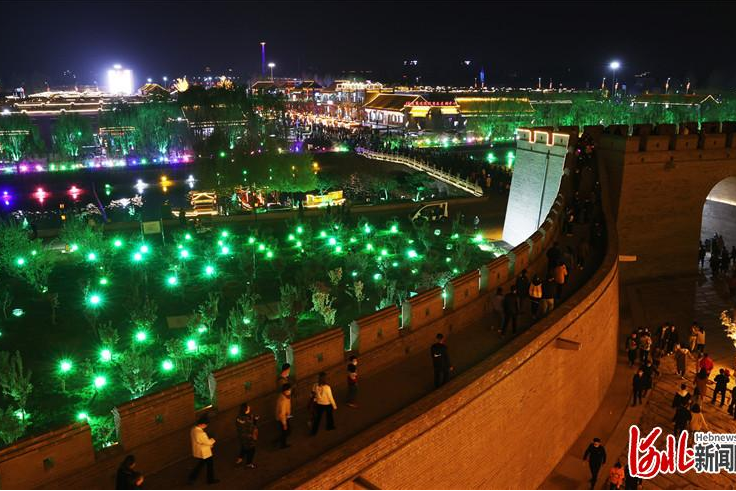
(431, 170)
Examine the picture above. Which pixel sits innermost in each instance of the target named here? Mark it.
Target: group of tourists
(321, 403)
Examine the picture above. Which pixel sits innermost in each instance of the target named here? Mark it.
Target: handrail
(431, 170)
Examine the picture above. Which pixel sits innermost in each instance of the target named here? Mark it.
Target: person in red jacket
(706, 362)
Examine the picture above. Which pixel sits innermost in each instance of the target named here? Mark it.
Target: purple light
(6, 198)
(39, 167)
(24, 168)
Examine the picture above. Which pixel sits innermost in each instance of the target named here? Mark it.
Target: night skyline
(328, 39)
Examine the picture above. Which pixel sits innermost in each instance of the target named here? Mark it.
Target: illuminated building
(120, 80)
(385, 111)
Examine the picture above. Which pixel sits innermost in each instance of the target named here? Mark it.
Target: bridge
(439, 174)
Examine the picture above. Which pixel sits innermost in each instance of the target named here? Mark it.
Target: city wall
(663, 175)
(503, 424)
(478, 410)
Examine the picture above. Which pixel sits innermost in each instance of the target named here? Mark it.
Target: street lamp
(271, 66)
(615, 65)
(166, 79)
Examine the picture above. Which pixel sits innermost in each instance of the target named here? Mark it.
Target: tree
(418, 181)
(158, 127)
(15, 381)
(71, 133)
(118, 129)
(26, 259)
(11, 426)
(18, 137)
(383, 184)
(138, 372)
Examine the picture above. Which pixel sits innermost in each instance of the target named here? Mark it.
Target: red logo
(646, 461)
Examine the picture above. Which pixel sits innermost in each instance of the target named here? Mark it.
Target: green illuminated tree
(18, 138)
(138, 372)
(11, 426)
(71, 133)
(26, 259)
(15, 381)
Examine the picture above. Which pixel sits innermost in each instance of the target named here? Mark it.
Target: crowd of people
(722, 263)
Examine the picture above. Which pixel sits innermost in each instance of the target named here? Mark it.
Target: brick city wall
(491, 427)
(164, 419)
(34, 461)
(661, 177)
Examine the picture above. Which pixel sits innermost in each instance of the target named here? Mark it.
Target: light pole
(615, 65)
(271, 66)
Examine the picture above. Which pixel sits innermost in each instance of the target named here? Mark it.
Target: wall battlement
(662, 174)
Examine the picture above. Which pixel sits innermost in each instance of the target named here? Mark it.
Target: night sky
(515, 42)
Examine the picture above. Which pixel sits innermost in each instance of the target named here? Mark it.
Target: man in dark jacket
(553, 255)
(682, 419)
(510, 310)
(595, 454)
(245, 424)
(721, 381)
(638, 386)
(682, 397)
(127, 477)
(522, 288)
(440, 361)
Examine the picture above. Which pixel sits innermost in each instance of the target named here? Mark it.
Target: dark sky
(515, 42)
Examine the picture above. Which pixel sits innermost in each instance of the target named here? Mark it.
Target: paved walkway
(680, 301)
(381, 395)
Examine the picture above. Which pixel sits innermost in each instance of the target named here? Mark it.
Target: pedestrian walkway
(381, 395)
(680, 301)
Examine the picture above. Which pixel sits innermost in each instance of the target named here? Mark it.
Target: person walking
(638, 386)
(283, 414)
(352, 381)
(645, 344)
(547, 304)
(246, 426)
(202, 451)
(700, 341)
(522, 289)
(127, 477)
(701, 385)
(535, 295)
(323, 403)
(616, 476)
(721, 381)
(706, 362)
(681, 360)
(701, 256)
(682, 397)
(647, 377)
(682, 420)
(631, 482)
(595, 455)
(732, 404)
(697, 420)
(440, 361)
(693, 338)
(672, 340)
(510, 311)
(497, 304)
(632, 348)
(560, 274)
